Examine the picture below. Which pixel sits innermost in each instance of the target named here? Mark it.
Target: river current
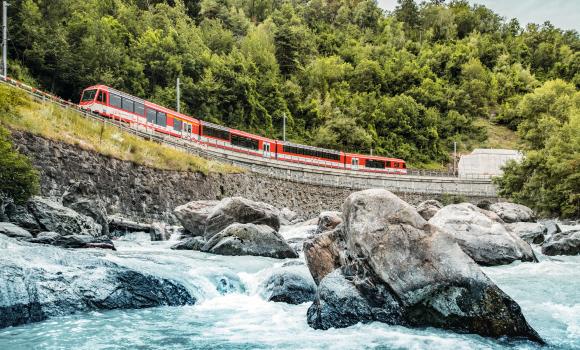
(231, 312)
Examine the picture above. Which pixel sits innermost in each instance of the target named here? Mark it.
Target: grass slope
(18, 111)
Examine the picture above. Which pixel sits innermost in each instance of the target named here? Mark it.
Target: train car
(374, 164)
(296, 153)
(139, 113)
(236, 140)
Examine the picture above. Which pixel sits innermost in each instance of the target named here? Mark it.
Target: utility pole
(4, 39)
(284, 127)
(454, 158)
(178, 93)
(371, 151)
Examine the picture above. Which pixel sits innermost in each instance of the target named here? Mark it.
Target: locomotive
(145, 115)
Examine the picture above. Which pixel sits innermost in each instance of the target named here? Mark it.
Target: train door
(266, 150)
(355, 163)
(186, 131)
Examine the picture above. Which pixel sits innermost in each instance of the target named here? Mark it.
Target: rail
(425, 182)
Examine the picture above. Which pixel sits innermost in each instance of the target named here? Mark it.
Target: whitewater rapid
(231, 312)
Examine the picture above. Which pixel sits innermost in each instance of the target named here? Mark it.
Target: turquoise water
(231, 313)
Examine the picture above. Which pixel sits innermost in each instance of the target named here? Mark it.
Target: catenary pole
(4, 39)
(284, 127)
(178, 93)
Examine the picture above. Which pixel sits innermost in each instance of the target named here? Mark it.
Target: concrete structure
(486, 162)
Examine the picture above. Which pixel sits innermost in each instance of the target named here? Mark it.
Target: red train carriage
(374, 164)
(236, 140)
(139, 113)
(296, 153)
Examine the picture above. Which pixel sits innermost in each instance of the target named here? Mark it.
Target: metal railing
(428, 182)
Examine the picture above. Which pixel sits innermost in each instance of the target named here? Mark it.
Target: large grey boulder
(22, 217)
(482, 235)
(59, 282)
(52, 216)
(249, 239)
(289, 284)
(328, 220)
(73, 241)
(324, 253)
(551, 227)
(531, 232)
(563, 243)
(512, 212)
(243, 211)
(192, 243)
(400, 269)
(193, 215)
(429, 208)
(11, 230)
(93, 208)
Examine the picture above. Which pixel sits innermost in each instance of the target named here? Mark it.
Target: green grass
(18, 111)
(498, 136)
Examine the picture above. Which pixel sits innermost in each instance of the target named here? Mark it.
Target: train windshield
(88, 95)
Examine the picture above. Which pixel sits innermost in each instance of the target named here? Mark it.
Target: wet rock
(482, 235)
(249, 239)
(92, 208)
(243, 211)
(512, 212)
(22, 217)
(429, 208)
(399, 269)
(290, 284)
(52, 216)
(60, 282)
(563, 243)
(530, 232)
(193, 216)
(328, 220)
(323, 253)
(73, 241)
(192, 243)
(11, 230)
(551, 227)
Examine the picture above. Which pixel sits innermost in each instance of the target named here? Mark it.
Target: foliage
(344, 73)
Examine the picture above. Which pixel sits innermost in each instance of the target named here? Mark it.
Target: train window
(151, 115)
(404, 165)
(161, 119)
(215, 132)
(177, 124)
(244, 142)
(375, 164)
(128, 105)
(101, 97)
(139, 108)
(115, 100)
(88, 95)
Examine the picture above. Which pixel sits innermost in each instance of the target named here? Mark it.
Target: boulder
(328, 220)
(192, 243)
(551, 227)
(288, 217)
(73, 241)
(429, 208)
(11, 230)
(193, 216)
(52, 216)
(21, 216)
(323, 253)
(399, 269)
(290, 284)
(530, 232)
(249, 239)
(57, 282)
(243, 211)
(482, 235)
(93, 208)
(512, 212)
(563, 243)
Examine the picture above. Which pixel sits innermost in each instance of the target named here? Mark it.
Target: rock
(73, 241)
(530, 232)
(551, 227)
(21, 216)
(52, 216)
(400, 269)
(249, 239)
(328, 220)
(429, 208)
(92, 208)
(484, 204)
(243, 211)
(563, 243)
(192, 243)
(59, 282)
(323, 253)
(290, 284)
(193, 216)
(160, 232)
(511, 212)
(482, 235)
(11, 230)
(120, 227)
(288, 217)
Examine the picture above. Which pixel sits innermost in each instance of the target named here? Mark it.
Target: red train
(145, 115)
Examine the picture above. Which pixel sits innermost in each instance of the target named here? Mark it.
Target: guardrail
(414, 182)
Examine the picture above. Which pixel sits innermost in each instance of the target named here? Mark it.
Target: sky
(564, 14)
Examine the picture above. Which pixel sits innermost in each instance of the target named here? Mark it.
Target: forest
(346, 74)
